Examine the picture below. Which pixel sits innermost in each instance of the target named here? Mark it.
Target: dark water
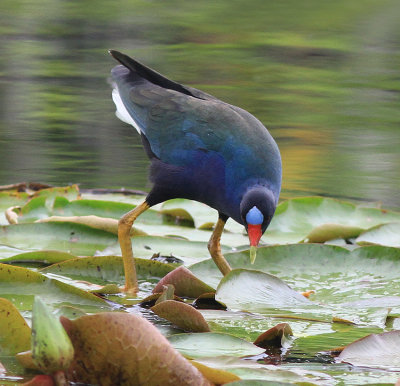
(323, 76)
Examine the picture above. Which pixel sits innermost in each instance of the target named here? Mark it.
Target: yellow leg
(124, 237)
(214, 247)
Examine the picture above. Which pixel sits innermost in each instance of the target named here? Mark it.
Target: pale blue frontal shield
(254, 216)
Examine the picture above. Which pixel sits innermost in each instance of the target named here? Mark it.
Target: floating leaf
(255, 372)
(185, 283)
(182, 315)
(44, 257)
(216, 376)
(202, 215)
(211, 344)
(338, 276)
(386, 234)
(167, 294)
(104, 224)
(276, 336)
(327, 232)
(257, 291)
(74, 238)
(375, 350)
(23, 284)
(15, 334)
(108, 268)
(51, 347)
(301, 218)
(146, 246)
(113, 348)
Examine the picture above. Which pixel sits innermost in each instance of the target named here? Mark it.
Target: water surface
(324, 77)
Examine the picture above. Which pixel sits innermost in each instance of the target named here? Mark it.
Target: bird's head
(256, 209)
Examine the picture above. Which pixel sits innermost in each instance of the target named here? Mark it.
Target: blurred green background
(323, 76)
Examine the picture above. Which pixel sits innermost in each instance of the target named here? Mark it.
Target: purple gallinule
(201, 149)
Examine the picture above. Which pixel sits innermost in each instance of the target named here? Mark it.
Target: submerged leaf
(120, 348)
(182, 315)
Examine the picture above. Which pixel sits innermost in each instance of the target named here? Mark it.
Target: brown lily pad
(120, 348)
(185, 283)
(182, 315)
(275, 336)
(207, 302)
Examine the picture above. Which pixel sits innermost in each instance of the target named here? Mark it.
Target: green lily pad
(108, 269)
(15, 334)
(202, 215)
(210, 344)
(44, 257)
(189, 252)
(322, 219)
(9, 199)
(255, 291)
(74, 238)
(338, 276)
(21, 285)
(386, 234)
(335, 273)
(261, 372)
(375, 350)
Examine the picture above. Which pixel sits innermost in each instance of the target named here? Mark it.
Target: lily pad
(15, 334)
(336, 274)
(73, 238)
(185, 283)
(108, 269)
(210, 344)
(318, 218)
(267, 374)
(120, 346)
(146, 246)
(44, 257)
(386, 234)
(276, 336)
(202, 215)
(375, 350)
(182, 315)
(21, 285)
(51, 348)
(249, 290)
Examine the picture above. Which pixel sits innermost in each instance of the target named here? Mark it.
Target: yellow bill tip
(253, 254)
